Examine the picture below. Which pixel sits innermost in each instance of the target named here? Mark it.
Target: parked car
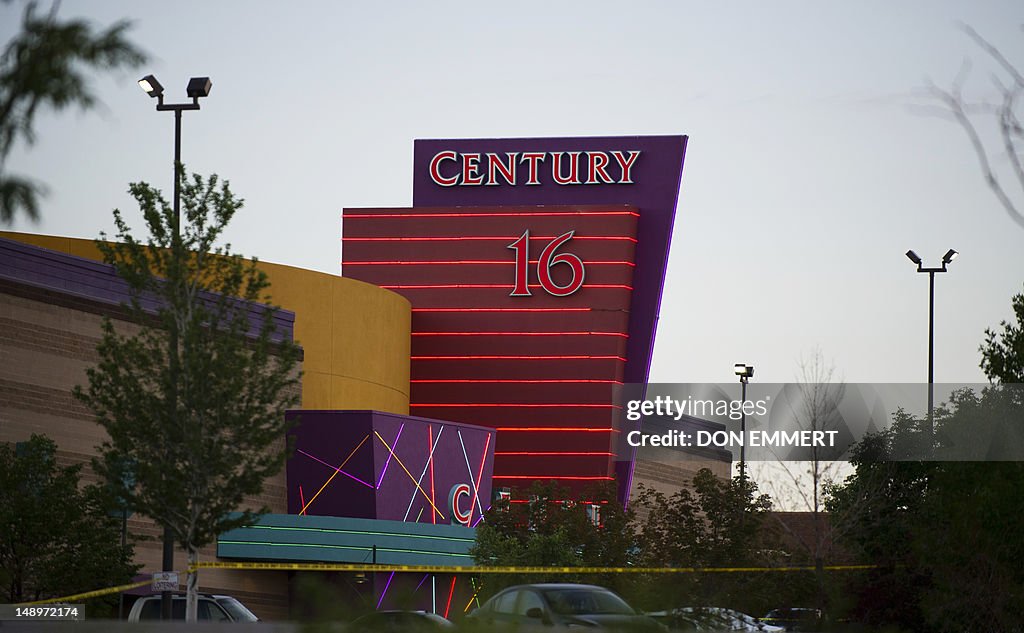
(795, 618)
(711, 619)
(384, 621)
(526, 607)
(211, 608)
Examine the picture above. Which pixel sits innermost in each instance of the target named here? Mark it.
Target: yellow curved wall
(355, 336)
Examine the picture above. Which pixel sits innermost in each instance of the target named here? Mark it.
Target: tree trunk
(192, 592)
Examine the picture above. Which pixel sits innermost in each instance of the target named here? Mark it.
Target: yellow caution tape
(466, 569)
(452, 569)
(92, 594)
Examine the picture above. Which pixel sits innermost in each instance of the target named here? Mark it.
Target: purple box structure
(375, 465)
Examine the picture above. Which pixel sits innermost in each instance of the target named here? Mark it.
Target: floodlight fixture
(949, 256)
(912, 256)
(744, 371)
(151, 86)
(199, 87)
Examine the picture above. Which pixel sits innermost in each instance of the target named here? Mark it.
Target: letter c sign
(458, 516)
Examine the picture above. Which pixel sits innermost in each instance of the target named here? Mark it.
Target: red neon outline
(487, 215)
(451, 592)
(453, 262)
(465, 238)
(430, 444)
(566, 477)
(569, 357)
(517, 382)
(479, 475)
(602, 502)
(302, 500)
(502, 309)
(553, 453)
(441, 286)
(560, 429)
(620, 334)
(531, 405)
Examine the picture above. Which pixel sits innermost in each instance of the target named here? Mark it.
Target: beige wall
(44, 352)
(355, 336)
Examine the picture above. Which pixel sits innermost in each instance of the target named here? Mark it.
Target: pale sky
(808, 174)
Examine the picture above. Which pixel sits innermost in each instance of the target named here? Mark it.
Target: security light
(151, 86)
(949, 256)
(199, 87)
(744, 370)
(912, 256)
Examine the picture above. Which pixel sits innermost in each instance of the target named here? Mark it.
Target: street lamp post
(197, 87)
(946, 259)
(745, 372)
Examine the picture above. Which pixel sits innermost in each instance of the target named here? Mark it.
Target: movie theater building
(476, 341)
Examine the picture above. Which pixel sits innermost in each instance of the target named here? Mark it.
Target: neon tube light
(518, 382)
(578, 214)
(451, 286)
(521, 405)
(398, 459)
(349, 475)
(619, 334)
(479, 474)
(383, 593)
(451, 592)
(388, 462)
(433, 517)
(566, 477)
(502, 309)
(465, 238)
(493, 357)
(302, 500)
(554, 453)
(401, 535)
(457, 262)
(349, 547)
(338, 470)
(559, 429)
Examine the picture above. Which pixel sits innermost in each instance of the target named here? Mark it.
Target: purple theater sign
(643, 171)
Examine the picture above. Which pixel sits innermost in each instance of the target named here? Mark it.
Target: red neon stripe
(621, 334)
(463, 238)
(502, 309)
(439, 286)
(430, 445)
(603, 502)
(539, 453)
(567, 477)
(451, 592)
(302, 500)
(518, 382)
(516, 404)
(559, 429)
(578, 357)
(479, 474)
(467, 261)
(487, 215)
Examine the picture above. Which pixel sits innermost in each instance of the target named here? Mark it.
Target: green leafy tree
(56, 538)
(550, 531)
(711, 523)
(1002, 353)
(44, 66)
(195, 396)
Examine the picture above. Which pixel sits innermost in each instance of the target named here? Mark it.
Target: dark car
(384, 621)
(564, 605)
(795, 618)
